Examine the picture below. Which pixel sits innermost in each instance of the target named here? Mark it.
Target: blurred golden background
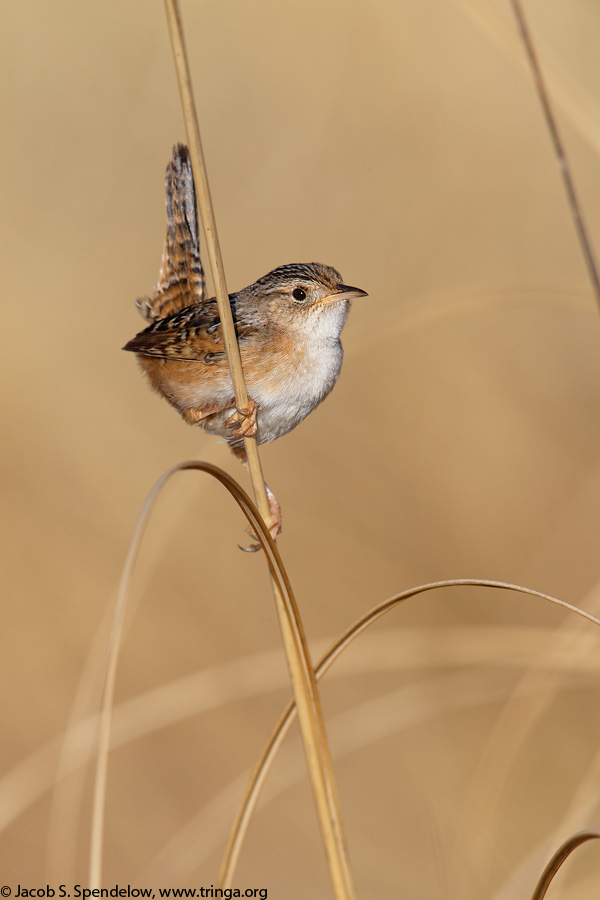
(403, 143)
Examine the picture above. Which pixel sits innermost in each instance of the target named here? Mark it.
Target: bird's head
(301, 297)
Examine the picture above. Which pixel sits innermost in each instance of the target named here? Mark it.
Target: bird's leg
(275, 523)
(245, 419)
(275, 527)
(195, 414)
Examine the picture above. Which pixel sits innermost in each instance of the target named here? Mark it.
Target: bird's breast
(289, 382)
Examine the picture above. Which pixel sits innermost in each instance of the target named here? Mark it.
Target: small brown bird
(288, 325)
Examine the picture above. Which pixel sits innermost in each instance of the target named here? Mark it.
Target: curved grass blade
(558, 859)
(260, 772)
(298, 659)
(105, 720)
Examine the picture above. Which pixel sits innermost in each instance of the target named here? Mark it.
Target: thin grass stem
(565, 850)
(213, 247)
(304, 685)
(257, 779)
(563, 164)
(303, 681)
(105, 717)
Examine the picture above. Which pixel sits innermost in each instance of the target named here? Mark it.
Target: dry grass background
(402, 143)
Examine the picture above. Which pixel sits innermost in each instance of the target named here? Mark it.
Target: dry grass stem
(506, 740)
(213, 247)
(576, 103)
(301, 670)
(574, 204)
(558, 859)
(106, 711)
(302, 677)
(260, 772)
(258, 674)
(105, 718)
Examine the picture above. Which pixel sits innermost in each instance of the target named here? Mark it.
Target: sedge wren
(288, 326)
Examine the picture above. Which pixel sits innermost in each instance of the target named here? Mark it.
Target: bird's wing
(193, 333)
(181, 281)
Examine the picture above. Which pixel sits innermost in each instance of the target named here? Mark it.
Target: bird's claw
(245, 419)
(274, 525)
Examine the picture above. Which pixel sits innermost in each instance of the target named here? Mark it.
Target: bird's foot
(245, 419)
(274, 524)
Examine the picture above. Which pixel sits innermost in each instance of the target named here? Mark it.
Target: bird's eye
(299, 294)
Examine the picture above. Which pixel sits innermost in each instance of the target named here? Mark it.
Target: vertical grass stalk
(561, 156)
(301, 671)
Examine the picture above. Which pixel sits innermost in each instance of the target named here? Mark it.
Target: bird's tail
(181, 280)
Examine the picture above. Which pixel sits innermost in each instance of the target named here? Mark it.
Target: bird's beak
(344, 292)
